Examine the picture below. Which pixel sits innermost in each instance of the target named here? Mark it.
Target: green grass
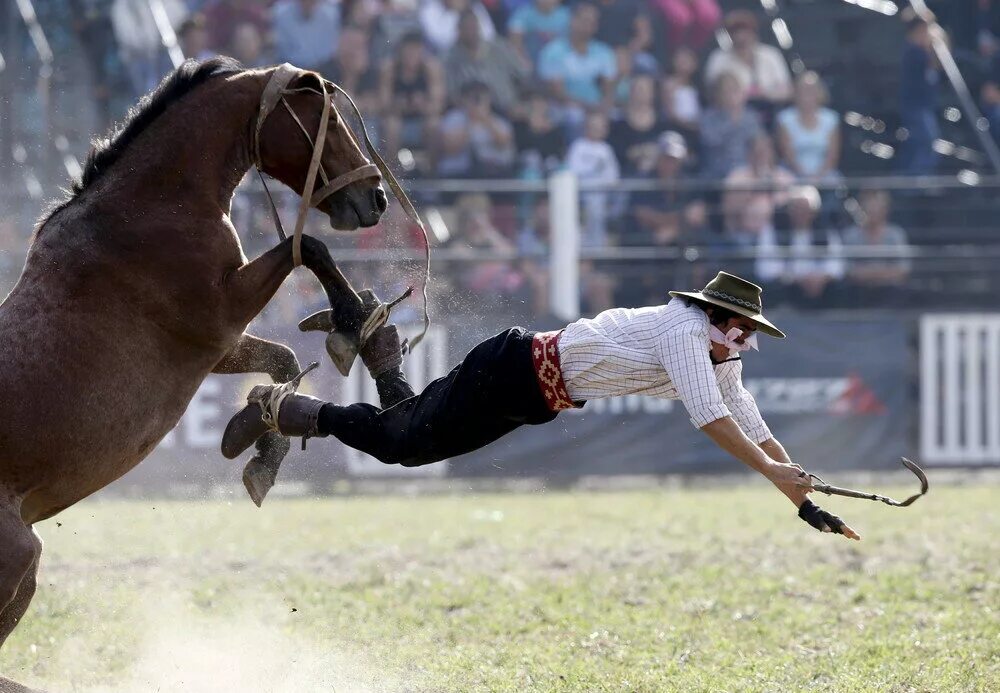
(708, 590)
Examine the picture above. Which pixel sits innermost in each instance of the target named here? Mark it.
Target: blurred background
(573, 156)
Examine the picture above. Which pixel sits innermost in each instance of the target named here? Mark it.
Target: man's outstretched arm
(770, 459)
(727, 434)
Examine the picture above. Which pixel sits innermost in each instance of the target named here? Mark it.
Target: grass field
(664, 590)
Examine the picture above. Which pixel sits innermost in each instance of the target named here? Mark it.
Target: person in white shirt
(687, 349)
(593, 160)
(760, 68)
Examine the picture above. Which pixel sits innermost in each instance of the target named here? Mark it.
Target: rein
(273, 94)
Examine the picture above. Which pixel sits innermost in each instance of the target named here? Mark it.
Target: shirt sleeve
(683, 352)
(741, 403)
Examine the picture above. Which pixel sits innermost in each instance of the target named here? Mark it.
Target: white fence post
(564, 250)
(960, 389)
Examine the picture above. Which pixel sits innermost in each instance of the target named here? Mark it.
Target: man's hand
(824, 521)
(791, 480)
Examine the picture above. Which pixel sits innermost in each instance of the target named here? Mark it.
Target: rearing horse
(136, 288)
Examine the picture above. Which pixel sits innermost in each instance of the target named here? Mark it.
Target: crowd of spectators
(665, 91)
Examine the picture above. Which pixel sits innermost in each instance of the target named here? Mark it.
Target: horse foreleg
(254, 284)
(255, 355)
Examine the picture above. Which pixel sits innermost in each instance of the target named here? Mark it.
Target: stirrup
(270, 400)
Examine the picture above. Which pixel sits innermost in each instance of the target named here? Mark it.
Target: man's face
(747, 325)
(584, 23)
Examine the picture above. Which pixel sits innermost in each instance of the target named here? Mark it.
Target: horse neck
(197, 152)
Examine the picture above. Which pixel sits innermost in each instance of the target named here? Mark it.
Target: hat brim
(763, 324)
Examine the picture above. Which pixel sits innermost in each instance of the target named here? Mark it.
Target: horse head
(299, 128)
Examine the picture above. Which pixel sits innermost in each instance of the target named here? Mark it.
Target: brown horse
(136, 288)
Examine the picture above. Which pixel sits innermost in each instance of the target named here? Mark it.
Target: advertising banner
(838, 393)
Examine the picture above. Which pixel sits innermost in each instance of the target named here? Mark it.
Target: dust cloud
(240, 654)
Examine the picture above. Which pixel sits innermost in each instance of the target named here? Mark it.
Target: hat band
(732, 299)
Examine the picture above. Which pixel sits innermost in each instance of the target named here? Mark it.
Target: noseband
(273, 94)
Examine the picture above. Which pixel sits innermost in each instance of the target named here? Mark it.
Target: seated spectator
(351, 68)
(635, 133)
(727, 129)
(875, 232)
(974, 29)
(748, 240)
(396, 19)
(411, 85)
(761, 178)
(247, 46)
(535, 24)
(475, 141)
(492, 62)
(690, 23)
(578, 70)
(681, 105)
(305, 31)
(540, 139)
(222, 17)
(361, 14)
(920, 74)
(809, 133)
(593, 161)
(760, 68)
(192, 36)
(439, 22)
(474, 230)
(808, 260)
(628, 27)
(660, 217)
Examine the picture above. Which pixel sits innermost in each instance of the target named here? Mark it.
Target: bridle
(273, 94)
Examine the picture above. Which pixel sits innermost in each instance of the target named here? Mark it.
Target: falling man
(687, 349)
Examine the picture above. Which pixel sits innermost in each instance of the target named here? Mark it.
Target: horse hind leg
(18, 606)
(12, 615)
(20, 548)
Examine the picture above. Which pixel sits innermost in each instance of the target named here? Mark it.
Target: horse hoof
(321, 321)
(258, 479)
(342, 350)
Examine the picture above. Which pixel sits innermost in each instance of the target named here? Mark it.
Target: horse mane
(105, 151)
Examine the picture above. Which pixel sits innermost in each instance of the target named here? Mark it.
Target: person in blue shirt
(580, 71)
(534, 25)
(306, 31)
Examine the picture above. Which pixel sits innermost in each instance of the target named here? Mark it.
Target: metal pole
(564, 245)
(167, 36)
(958, 82)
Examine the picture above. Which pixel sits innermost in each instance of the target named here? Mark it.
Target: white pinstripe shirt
(658, 351)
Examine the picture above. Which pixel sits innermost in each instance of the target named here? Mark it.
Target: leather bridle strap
(405, 203)
(272, 95)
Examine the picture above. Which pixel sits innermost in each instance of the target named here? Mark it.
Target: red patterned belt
(545, 356)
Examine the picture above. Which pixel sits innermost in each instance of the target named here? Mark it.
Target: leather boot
(273, 408)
